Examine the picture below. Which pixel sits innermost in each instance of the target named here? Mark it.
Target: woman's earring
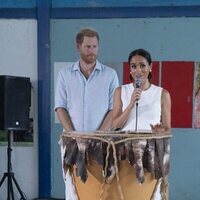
(131, 78)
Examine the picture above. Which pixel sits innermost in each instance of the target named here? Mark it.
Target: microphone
(138, 81)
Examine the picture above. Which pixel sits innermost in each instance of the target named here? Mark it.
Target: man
(84, 93)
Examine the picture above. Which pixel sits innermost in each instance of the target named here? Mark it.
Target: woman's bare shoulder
(165, 92)
(166, 96)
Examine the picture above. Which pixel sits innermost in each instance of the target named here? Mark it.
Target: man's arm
(107, 121)
(64, 119)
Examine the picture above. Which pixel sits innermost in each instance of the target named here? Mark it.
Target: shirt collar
(98, 66)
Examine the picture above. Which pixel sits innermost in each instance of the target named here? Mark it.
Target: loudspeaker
(15, 102)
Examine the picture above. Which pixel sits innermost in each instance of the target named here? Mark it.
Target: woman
(154, 104)
(141, 106)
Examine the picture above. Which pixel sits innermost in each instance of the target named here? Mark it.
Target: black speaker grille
(15, 95)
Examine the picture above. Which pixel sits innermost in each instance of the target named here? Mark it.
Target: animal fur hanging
(145, 152)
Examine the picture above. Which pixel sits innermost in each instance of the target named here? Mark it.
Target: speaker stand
(10, 175)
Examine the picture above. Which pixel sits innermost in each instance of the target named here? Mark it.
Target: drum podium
(117, 165)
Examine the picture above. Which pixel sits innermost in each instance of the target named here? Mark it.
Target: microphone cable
(136, 117)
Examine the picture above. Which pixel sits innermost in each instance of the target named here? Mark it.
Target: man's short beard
(88, 59)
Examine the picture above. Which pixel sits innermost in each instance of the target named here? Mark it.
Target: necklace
(147, 87)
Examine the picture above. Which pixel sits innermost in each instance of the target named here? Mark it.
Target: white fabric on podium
(70, 189)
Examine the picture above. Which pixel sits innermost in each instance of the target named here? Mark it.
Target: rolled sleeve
(60, 94)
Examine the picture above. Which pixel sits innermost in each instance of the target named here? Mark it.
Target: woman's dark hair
(143, 53)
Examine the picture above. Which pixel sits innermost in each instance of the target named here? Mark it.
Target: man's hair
(88, 32)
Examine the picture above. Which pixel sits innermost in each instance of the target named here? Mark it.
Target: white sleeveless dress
(149, 107)
(149, 111)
